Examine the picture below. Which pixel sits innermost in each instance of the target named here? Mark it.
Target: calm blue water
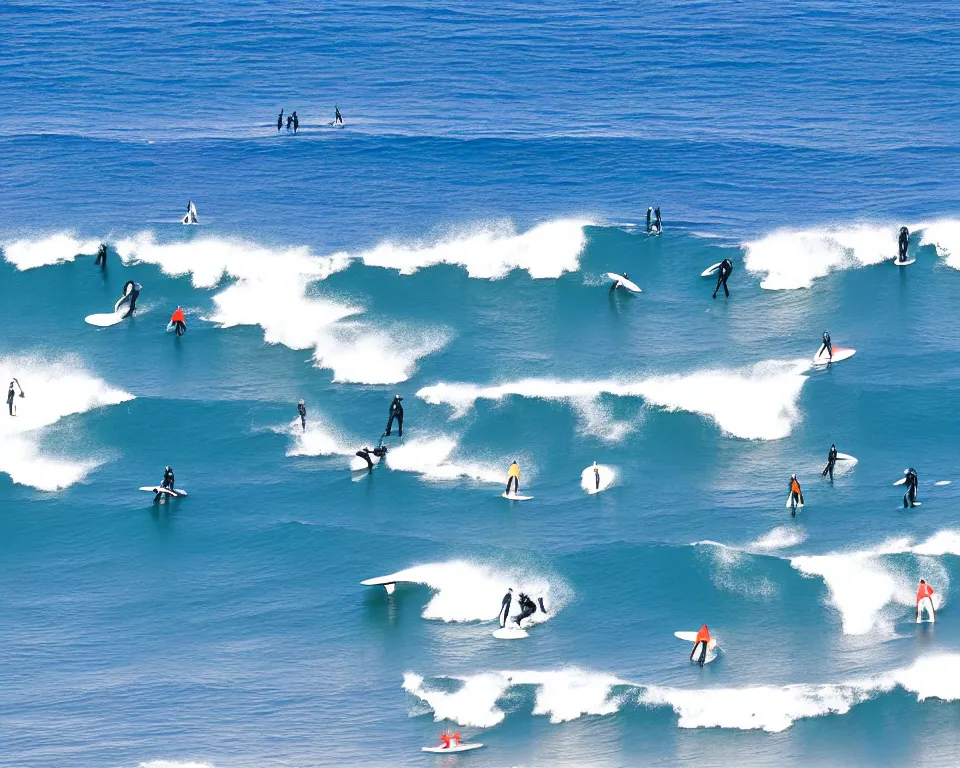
(451, 244)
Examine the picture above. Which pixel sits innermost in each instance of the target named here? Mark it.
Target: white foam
(789, 259)
(433, 459)
(945, 236)
(52, 249)
(491, 251)
(319, 438)
(54, 389)
(588, 481)
(271, 290)
(759, 402)
(468, 591)
(567, 694)
(781, 537)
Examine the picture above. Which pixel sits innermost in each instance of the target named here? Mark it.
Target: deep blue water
(451, 244)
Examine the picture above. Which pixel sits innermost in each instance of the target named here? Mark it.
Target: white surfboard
(790, 502)
(846, 457)
(588, 480)
(175, 493)
(943, 482)
(105, 319)
(625, 282)
(515, 497)
(190, 217)
(839, 353)
(510, 632)
(906, 263)
(901, 481)
(844, 462)
(381, 581)
(710, 270)
(442, 750)
(691, 637)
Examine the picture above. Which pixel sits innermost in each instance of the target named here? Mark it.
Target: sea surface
(451, 244)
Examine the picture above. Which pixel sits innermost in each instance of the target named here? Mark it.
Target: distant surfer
(191, 215)
(101, 256)
(904, 242)
(913, 484)
(289, 122)
(296, 121)
(365, 453)
(280, 121)
(618, 283)
(726, 267)
(826, 345)
(178, 322)
(505, 607)
(527, 608)
(513, 477)
(649, 218)
(925, 601)
(702, 641)
(796, 495)
(658, 224)
(396, 412)
(131, 291)
(337, 117)
(596, 475)
(11, 394)
(302, 410)
(831, 461)
(167, 483)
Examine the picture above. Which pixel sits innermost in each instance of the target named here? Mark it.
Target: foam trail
(758, 403)
(588, 481)
(271, 291)
(318, 439)
(944, 235)
(788, 259)
(53, 249)
(468, 591)
(492, 251)
(431, 458)
(781, 537)
(54, 389)
(567, 694)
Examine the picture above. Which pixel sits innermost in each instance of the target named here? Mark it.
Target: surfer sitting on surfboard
(726, 267)
(796, 495)
(703, 637)
(904, 242)
(513, 477)
(167, 483)
(912, 483)
(925, 600)
(831, 460)
(825, 346)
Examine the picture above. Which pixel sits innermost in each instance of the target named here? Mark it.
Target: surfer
(364, 453)
(596, 475)
(649, 216)
(904, 242)
(302, 410)
(505, 607)
(796, 495)
(179, 322)
(289, 122)
(658, 225)
(513, 476)
(913, 484)
(527, 608)
(447, 740)
(726, 267)
(831, 461)
(166, 483)
(101, 256)
(131, 291)
(296, 121)
(826, 345)
(10, 395)
(337, 118)
(617, 283)
(396, 412)
(703, 638)
(925, 600)
(280, 121)
(191, 217)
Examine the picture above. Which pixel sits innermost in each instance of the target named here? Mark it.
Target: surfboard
(839, 353)
(588, 480)
(175, 493)
(510, 633)
(691, 637)
(381, 581)
(901, 481)
(710, 270)
(789, 500)
(104, 319)
(442, 750)
(515, 497)
(943, 482)
(844, 462)
(906, 263)
(847, 458)
(625, 282)
(190, 217)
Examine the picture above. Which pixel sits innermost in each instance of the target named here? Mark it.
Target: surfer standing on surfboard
(302, 410)
(826, 345)
(505, 607)
(513, 477)
(904, 242)
(396, 412)
(925, 600)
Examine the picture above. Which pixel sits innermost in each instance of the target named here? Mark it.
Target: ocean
(450, 244)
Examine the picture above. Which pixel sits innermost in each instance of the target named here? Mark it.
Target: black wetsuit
(505, 608)
(102, 256)
(617, 283)
(364, 453)
(904, 242)
(913, 484)
(396, 412)
(289, 122)
(302, 410)
(826, 345)
(726, 267)
(337, 118)
(527, 608)
(649, 214)
(596, 476)
(10, 394)
(296, 122)
(130, 296)
(659, 224)
(280, 121)
(179, 327)
(166, 483)
(831, 460)
(703, 652)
